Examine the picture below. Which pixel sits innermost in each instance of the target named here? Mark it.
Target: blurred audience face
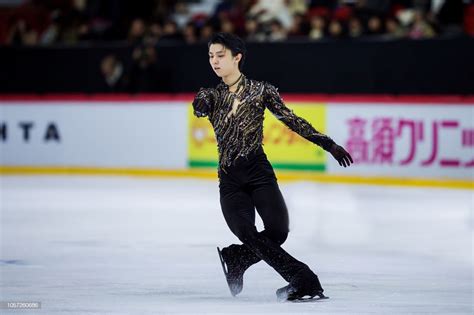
(317, 23)
(107, 66)
(144, 56)
(355, 27)
(189, 33)
(374, 25)
(206, 32)
(419, 16)
(276, 26)
(227, 26)
(391, 26)
(137, 29)
(156, 30)
(251, 26)
(296, 25)
(335, 28)
(170, 28)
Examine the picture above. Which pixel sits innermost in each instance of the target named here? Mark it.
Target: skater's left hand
(341, 155)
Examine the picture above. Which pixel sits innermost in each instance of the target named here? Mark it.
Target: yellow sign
(285, 149)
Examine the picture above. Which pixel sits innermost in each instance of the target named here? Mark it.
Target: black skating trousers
(247, 185)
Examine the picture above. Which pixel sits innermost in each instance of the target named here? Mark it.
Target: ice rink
(118, 245)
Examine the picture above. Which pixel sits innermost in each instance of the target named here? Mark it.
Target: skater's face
(222, 61)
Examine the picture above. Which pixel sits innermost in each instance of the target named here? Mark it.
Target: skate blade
(306, 300)
(284, 295)
(224, 268)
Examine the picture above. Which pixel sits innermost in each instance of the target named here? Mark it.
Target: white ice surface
(91, 245)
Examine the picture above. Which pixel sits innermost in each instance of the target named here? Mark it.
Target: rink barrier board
(283, 176)
(332, 101)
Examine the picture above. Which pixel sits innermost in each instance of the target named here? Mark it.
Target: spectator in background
(375, 26)
(253, 31)
(71, 23)
(355, 27)
(227, 26)
(85, 32)
(24, 24)
(393, 28)
(336, 29)
(114, 75)
(136, 32)
(181, 14)
(21, 33)
(420, 27)
(143, 72)
(190, 33)
(154, 33)
(265, 11)
(299, 27)
(49, 22)
(230, 15)
(171, 32)
(277, 31)
(318, 27)
(206, 32)
(51, 34)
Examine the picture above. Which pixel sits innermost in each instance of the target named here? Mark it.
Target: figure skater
(235, 108)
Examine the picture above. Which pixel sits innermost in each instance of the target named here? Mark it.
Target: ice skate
(290, 293)
(233, 272)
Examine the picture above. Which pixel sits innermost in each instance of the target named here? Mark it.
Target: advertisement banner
(408, 140)
(418, 140)
(284, 148)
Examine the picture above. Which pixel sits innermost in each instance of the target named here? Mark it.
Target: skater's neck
(232, 80)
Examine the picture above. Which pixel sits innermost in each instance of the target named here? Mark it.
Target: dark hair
(232, 42)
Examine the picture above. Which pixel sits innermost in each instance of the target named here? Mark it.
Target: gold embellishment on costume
(237, 118)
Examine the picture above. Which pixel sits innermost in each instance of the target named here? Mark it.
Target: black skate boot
(304, 287)
(233, 270)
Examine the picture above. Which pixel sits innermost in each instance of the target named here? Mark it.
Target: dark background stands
(345, 46)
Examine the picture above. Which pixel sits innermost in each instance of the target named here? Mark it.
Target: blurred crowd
(145, 23)
(46, 22)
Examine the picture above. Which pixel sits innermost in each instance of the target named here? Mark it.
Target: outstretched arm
(203, 103)
(299, 125)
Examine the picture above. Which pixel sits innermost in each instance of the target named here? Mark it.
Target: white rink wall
(413, 140)
(94, 134)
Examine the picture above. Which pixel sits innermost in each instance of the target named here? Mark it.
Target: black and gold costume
(237, 118)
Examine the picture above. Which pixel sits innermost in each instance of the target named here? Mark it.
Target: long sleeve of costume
(297, 124)
(203, 104)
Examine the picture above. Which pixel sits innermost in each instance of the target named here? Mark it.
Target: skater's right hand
(203, 102)
(341, 155)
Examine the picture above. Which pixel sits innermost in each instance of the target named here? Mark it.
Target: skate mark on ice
(17, 262)
(80, 243)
